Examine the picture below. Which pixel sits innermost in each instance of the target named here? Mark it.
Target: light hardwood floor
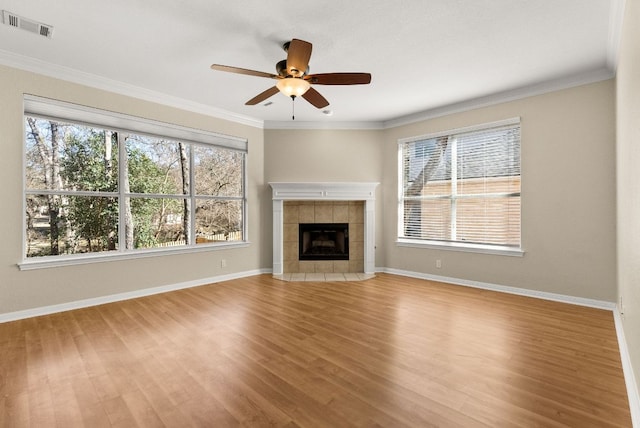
(390, 351)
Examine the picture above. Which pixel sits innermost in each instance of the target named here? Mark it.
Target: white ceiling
(424, 56)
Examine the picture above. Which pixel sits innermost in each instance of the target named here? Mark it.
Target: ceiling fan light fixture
(293, 82)
(293, 86)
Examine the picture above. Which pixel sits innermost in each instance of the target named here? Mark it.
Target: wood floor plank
(387, 352)
(92, 411)
(41, 406)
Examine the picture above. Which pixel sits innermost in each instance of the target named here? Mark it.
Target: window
(101, 182)
(462, 189)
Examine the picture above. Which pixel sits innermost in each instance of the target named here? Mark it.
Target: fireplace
(323, 241)
(344, 196)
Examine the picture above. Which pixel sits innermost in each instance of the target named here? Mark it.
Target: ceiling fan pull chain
(293, 107)
(293, 78)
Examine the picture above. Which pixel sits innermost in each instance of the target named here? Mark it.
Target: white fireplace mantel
(331, 191)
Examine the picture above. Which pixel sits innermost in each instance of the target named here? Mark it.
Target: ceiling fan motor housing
(293, 78)
(281, 68)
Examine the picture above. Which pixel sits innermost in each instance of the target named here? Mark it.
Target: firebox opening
(323, 241)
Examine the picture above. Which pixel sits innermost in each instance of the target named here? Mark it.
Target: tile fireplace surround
(317, 193)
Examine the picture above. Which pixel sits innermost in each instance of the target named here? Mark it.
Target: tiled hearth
(295, 203)
(324, 277)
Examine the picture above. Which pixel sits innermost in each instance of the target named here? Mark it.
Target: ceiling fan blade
(298, 55)
(315, 98)
(262, 96)
(339, 78)
(239, 70)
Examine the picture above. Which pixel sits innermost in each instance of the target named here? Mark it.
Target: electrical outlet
(438, 263)
(223, 263)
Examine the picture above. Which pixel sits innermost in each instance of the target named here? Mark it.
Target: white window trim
(72, 259)
(506, 122)
(74, 113)
(499, 250)
(59, 110)
(502, 250)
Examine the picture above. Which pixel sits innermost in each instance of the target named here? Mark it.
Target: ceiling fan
(293, 78)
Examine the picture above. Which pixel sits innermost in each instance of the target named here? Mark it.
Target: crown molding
(594, 76)
(362, 125)
(616, 21)
(25, 63)
(64, 73)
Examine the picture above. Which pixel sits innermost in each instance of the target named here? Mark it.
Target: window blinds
(74, 113)
(463, 186)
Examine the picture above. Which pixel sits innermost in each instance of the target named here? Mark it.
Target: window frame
(402, 241)
(48, 109)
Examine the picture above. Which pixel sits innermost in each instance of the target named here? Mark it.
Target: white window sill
(70, 260)
(459, 246)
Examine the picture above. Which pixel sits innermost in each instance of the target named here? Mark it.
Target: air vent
(13, 20)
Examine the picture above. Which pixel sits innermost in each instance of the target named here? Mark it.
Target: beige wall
(21, 290)
(628, 184)
(568, 197)
(568, 182)
(568, 193)
(568, 229)
(328, 155)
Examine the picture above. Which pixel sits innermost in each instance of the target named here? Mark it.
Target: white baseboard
(632, 388)
(46, 310)
(581, 301)
(629, 377)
